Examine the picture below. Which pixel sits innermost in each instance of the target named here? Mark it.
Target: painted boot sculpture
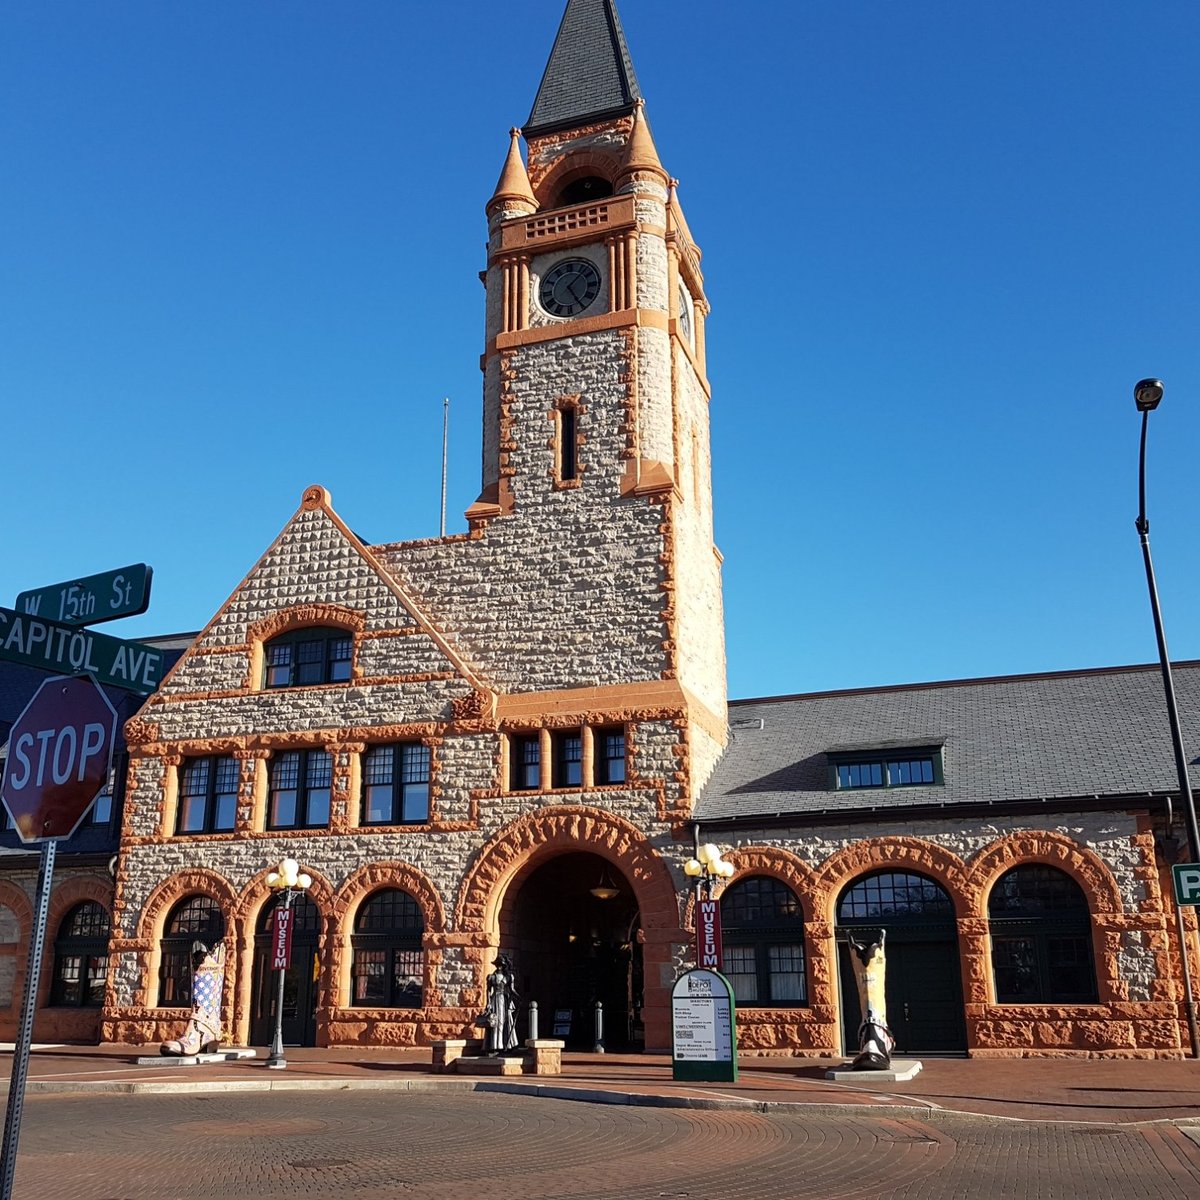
(875, 1040)
(203, 1032)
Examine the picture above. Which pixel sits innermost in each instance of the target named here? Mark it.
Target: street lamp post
(288, 879)
(706, 868)
(1147, 395)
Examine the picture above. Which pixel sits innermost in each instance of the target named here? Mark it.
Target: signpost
(124, 592)
(703, 1036)
(53, 646)
(59, 755)
(1187, 883)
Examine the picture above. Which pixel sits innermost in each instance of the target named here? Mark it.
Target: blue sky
(942, 241)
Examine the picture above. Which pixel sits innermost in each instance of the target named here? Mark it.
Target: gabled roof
(1081, 735)
(589, 75)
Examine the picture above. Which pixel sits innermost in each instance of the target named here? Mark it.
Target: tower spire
(513, 188)
(590, 75)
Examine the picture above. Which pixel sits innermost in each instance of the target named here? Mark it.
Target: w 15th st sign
(69, 650)
(124, 592)
(59, 755)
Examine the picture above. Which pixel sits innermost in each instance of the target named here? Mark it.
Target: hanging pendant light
(605, 889)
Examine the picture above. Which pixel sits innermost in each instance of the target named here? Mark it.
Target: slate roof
(1015, 740)
(589, 75)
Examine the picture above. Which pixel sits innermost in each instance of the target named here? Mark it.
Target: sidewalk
(1067, 1089)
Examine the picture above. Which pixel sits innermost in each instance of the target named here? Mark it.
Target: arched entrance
(924, 978)
(572, 927)
(299, 982)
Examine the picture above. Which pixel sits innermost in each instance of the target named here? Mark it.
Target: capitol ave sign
(70, 650)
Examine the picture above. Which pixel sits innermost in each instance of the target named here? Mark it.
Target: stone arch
(302, 616)
(78, 889)
(1050, 849)
(13, 953)
(242, 933)
(369, 878)
(570, 167)
(195, 880)
(899, 853)
(565, 829)
(1085, 867)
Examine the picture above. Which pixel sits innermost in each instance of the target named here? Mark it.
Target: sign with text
(124, 592)
(1187, 883)
(708, 934)
(59, 755)
(281, 939)
(68, 649)
(703, 1038)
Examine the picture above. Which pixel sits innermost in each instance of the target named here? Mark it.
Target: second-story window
(609, 755)
(568, 758)
(525, 762)
(301, 782)
(306, 657)
(396, 784)
(208, 794)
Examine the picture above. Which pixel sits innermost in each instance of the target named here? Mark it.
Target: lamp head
(1147, 394)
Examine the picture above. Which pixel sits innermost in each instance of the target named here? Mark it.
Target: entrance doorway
(299, 980)
(572, 927)
(923, 979)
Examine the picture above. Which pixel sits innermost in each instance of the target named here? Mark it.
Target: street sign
(708, 934)
(52, 646)
(124, 592)
(1187, 883)
(281, 939)
(59, 755)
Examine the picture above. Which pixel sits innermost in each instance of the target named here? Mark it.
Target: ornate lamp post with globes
(706, 868)
(288, 879)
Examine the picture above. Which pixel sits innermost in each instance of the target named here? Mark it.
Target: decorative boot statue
(203, 1032)
(875, 1040)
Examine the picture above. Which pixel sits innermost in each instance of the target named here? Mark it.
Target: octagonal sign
(59, 755)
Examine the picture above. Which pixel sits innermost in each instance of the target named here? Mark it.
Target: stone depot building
(507, 739)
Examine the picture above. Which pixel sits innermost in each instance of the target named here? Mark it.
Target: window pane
(340, 652)
(102, 808)
(97, 976)
(377, 767)
(68, 976)
(407, 967)
(310, 662)
(568, 760)
(893, 893)
(1071, 976)
(415, 763)
(739, 967)
(416, 802)
(1015, 962)
(317, 808)
(379, 804)
(191, 814)
(610, 762)
(225, 816)
(369, 977)
(786, 965)
(283, 809)
(88, 920)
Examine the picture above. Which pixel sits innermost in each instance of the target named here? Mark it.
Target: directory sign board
(703, 1034)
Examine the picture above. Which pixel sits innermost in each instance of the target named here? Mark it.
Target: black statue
(500, 1017)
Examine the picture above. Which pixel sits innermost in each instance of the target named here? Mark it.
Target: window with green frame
(919, 766)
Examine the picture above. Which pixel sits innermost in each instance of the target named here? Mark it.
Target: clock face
(685, 312)
(569, 287)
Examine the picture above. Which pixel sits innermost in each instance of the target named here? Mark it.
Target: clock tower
(596, 424)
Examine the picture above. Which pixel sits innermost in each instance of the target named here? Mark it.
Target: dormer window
(306, 657)
(907, 767)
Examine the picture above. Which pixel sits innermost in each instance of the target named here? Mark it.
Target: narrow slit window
(568, 466)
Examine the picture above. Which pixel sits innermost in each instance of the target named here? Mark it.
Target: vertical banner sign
(281, 939)
(708, 934)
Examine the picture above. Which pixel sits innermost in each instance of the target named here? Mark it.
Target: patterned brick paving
(438, 1146)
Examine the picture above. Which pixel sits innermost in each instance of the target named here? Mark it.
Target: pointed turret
(590, 75)
(513, 191)
(641, 158)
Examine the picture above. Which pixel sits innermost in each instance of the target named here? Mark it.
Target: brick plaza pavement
(368, 1144)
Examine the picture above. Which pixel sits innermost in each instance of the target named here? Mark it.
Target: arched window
(81, 957)
(894, 894)
(762, 935)
(1041, 938)
(389, 963)
(195, 918)
(305, 657)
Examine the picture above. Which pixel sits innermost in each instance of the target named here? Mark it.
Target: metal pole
(276, 1060)
(1185, 787)
(20, 1068)
(445, 445)
(533, 1021)
(598, 1048)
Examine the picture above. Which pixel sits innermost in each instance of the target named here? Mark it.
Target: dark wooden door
(299, 997)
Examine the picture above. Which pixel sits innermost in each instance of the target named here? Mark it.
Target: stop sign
(59, 755)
